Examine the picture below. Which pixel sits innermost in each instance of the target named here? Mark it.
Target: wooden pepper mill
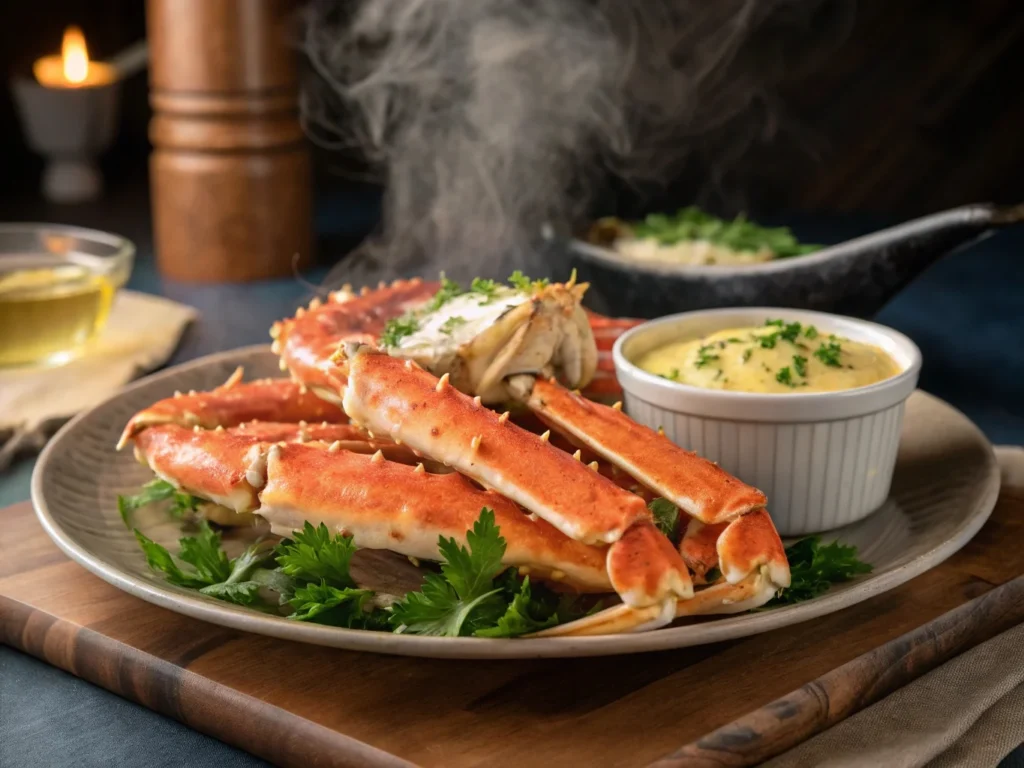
(230, 171)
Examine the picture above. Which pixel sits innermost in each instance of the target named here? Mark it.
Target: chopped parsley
(810, 332)
(448, 291)
(489, 289)
(739, 234)
(521, 282)
(704, 358)
(398, 329)
(672, 375)
(785, 376)
(746, 354)
(453, 322)
(829, 353)
(800, 365)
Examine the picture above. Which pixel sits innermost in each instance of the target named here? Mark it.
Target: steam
(488, 119)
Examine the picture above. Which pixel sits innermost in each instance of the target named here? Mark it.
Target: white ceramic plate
(945, 487)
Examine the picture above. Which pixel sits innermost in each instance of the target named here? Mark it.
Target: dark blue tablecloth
(966, 313)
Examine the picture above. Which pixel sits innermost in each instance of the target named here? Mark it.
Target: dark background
(917, 110)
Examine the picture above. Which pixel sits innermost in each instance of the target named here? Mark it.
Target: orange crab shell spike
(277, 400)
(699, 546)
(698, 487)
(391, 506)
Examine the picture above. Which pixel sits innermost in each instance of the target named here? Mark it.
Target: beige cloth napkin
(968, 713)
(140, 335)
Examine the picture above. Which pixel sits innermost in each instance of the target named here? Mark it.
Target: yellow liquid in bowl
(50, 308)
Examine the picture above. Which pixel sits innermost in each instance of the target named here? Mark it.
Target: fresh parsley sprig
(152, 492)
(814, 567)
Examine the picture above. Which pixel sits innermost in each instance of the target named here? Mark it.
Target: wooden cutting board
(298, 705)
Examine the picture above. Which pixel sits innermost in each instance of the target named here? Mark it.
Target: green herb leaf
(152, 492)
(666, 517)
(814, 568)
(463, 597)
(521, 282)
(785, 376)
(453, 322)
(324, 604)
(704, 357)
(448, 291)
(829, 353)
(746, 354)
(800, 365)
(397, 329)
(238, 592)
(810, 332)
(488, 288)
(672, 375)
(523, 616)
(313, 554)
(159, 559)
(203, 553)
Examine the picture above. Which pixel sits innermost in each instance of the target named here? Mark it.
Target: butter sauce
(774, 358)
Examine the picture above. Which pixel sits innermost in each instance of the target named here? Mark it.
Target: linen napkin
(967, 713)
(141, 333)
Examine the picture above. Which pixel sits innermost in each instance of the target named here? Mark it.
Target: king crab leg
(235, 402)
(397, 398)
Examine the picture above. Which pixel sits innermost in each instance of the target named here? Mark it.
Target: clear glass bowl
(57, 284)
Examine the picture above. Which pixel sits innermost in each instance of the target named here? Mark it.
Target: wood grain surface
(301, 705)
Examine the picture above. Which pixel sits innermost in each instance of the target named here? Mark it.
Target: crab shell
(546, 333)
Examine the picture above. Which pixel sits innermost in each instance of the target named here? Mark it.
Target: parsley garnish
(313, 554)
(453, 322)
(829, 353)
(800, 365)
(398, 329)
(152, 492)
(666, 517)
(810, 332)
(746, 354)
(704, 358)
(462, 598)
(525, 284)
(785, 376)
(488, 288)
(738, 235)
(448, 291)
(672, 375)
(814, 568)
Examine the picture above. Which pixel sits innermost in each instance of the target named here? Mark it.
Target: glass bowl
(57, 284)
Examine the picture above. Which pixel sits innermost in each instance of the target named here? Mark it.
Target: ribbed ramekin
(823, 459)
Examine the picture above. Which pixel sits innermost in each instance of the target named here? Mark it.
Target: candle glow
(75, 56)
(72, 68)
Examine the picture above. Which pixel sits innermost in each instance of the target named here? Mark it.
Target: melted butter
(690, 252)
(750, 360)
(459, 320)
(48, 311)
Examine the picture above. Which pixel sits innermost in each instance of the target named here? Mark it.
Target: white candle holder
(71, 128)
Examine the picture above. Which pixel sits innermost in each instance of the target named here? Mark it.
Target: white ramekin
(823, 459)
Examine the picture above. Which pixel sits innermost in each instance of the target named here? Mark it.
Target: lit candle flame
(71, 68)
(75, 56)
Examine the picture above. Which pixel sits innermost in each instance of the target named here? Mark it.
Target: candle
(72, 68)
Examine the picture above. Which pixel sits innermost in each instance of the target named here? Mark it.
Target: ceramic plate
(944, 489)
